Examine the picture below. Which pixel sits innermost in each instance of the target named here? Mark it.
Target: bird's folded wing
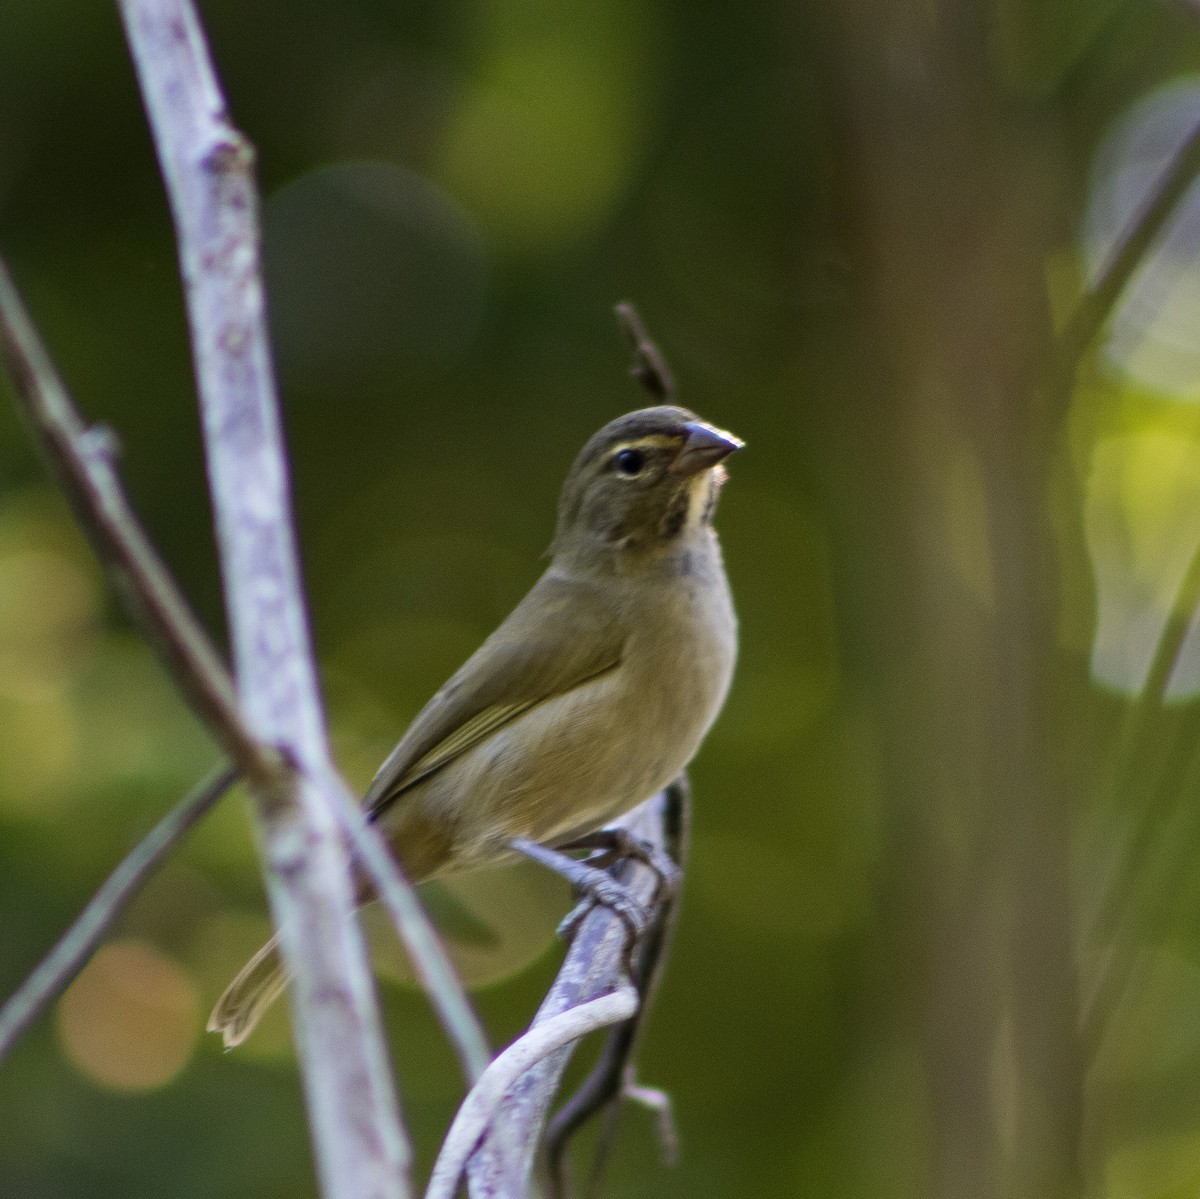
(560, 636)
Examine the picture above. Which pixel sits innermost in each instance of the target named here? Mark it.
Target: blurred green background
(941, 934)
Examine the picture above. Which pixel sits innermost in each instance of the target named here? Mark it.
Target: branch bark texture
(594, 967)
(545, 1037)
(360, 1144)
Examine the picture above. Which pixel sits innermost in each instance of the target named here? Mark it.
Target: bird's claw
(614, 844)
(607, 892)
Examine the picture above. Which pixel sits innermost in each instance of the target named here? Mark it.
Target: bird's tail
(259, 984)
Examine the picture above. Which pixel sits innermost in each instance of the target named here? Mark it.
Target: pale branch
(82, 460)
(361, 1147)
(79, 942)
(594, 966)
(614, 1076)
(481, 1104)
(1101, 298)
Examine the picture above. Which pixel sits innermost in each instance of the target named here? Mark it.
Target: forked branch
(83, 460)
(595, 966)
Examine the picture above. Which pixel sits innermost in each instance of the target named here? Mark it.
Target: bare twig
(1097, 305)
(594, 966)
(83, 464)
(480, 1106)
(82, 460)
(658, 1102)
(361, 1148)
(68, 957)
(649, 367)
(430, 961)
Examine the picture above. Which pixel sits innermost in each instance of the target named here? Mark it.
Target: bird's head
(644, 482)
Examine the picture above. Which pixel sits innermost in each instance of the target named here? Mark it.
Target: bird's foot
(613, 845)
(596, 887)
(606, 892)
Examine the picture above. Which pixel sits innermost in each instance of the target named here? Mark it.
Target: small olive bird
(592, 695)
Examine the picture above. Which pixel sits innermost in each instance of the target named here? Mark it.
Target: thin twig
(78, 943)
(658, 1102)
(83, 464)
(485, 1097)
(1098, 303)
(429, 959)
(649, 367)
(362, 1150)
(1105, 928)
(594, 965)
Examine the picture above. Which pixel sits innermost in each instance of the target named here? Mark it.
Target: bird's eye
(630, 462)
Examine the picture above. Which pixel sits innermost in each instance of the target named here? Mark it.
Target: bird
(592, 695)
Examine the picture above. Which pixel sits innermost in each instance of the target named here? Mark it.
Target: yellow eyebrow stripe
(650, 441)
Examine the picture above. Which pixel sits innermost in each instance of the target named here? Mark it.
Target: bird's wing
(561, 635)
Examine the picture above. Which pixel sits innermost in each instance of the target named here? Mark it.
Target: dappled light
(130, 1021)
(1152, 337)
(1143, 528)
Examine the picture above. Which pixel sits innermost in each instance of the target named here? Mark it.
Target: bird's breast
(583, 758)
(681, 656)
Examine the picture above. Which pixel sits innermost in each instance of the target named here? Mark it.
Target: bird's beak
(703, 446)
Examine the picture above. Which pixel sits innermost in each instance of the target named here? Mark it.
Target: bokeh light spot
(47, 620)
(1142, 523)
(1152, 335)
(543, 145)
(129, 1022)
(39, 745)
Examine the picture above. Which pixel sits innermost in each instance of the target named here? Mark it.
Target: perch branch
(595, 962)
(79, 942)
(594, 966)
(614, 1076)
(485, 1097)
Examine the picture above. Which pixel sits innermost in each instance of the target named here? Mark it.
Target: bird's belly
(576, 762)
